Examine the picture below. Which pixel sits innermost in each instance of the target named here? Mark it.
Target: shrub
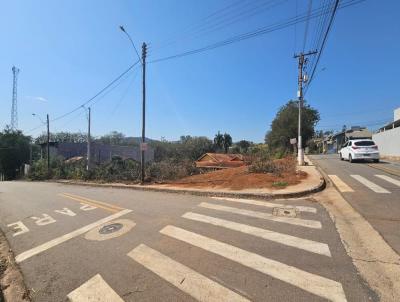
(277, 167)
(170, 170)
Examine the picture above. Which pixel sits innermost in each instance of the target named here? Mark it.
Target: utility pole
(48, 145)
(143, 146)
(88, 143)
(301, 78)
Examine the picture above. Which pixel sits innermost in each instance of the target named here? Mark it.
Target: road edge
(12, 286)
(263, 196)
(377, 263)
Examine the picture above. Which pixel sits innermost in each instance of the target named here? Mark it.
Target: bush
(170, 170)
(276, 167)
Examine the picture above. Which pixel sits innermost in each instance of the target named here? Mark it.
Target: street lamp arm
(130, 39)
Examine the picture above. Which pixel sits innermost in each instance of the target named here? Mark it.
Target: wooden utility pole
(301, 79)
(143, 145)
(88, 144)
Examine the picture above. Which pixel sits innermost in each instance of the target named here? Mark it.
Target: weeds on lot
(117, 169)
(280, 184)
(273, 166)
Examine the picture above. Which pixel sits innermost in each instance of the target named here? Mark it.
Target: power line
(323, 44)
(93, 97)
(307, 24)
(261, 31)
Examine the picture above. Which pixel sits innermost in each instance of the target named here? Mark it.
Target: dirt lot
(238, 179)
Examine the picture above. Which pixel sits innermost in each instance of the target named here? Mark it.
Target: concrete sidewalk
(312, 184)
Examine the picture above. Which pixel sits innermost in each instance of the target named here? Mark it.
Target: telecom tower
(14, 111)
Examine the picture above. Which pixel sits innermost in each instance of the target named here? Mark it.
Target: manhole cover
(110, 228)
(284, 212)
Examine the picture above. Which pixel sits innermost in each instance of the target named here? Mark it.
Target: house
(387, 137)
(220, 161)
(355, 132)
(99, 152)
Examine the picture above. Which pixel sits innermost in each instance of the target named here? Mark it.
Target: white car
(359, 149)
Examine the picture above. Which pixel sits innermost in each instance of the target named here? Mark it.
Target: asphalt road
(374, 193)
(168, 247)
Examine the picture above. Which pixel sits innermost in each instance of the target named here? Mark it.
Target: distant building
(220, 161)
(99, 152)
(388, 137)
(338, 139)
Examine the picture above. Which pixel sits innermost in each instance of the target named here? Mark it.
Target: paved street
(125, 245)
(374, 193)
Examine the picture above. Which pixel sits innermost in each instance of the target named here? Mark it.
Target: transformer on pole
(14, 109)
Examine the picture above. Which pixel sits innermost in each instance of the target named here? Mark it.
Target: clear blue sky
(69, 50)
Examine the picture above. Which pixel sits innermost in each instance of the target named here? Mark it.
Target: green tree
(14, 152)
(244, 145)
(285, 125)
(113, 138)
(227, 142)
(63, 137)
(219, 141)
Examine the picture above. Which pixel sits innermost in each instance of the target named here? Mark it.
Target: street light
(143, 61)
(130, 39)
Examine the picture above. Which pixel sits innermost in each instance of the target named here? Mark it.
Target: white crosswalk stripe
(309, 282)
(340, 184)
(389, 179)
(267, 204)
(295, 221)
(296, 242)
(94, 290)
(369, 184)
(182, 277)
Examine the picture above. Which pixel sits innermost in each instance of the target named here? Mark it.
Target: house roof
(219, 157)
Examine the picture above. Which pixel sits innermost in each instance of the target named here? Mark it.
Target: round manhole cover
(111, 228)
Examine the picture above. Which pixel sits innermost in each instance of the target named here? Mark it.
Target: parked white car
(359, 149)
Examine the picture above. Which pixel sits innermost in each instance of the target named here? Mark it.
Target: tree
(285, 125)
(63, 137)
(219, 140)
(14, 151)
(244, 145)
(227, 142)
(113, 138)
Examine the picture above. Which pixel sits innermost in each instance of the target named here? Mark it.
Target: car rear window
(364, 143)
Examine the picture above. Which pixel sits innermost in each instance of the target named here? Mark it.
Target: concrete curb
(234, 194)
(388, 170)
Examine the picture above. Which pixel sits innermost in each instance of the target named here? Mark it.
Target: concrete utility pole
(48, 145)
(88, 143)
(301, 79)
(143, 145)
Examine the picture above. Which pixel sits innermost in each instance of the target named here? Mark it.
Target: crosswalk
(186, 279)
(369, 183)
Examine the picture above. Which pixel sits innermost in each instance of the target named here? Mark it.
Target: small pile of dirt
(238, 179)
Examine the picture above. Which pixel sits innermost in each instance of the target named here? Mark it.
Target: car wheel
(376, 160)
(350, 159)
(341, 157)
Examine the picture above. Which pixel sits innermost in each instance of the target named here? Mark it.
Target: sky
(68, 50)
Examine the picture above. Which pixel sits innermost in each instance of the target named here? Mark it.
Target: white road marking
(300, 243)
(86, 207)
(18, 226)
(311, 283)
(340, 184)
(389, 179)
(46, 219)
(65, 211)
(94, 290)
(52, 243)
(369, 184)
(183, 277)
(296, 221)
(267, 204)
